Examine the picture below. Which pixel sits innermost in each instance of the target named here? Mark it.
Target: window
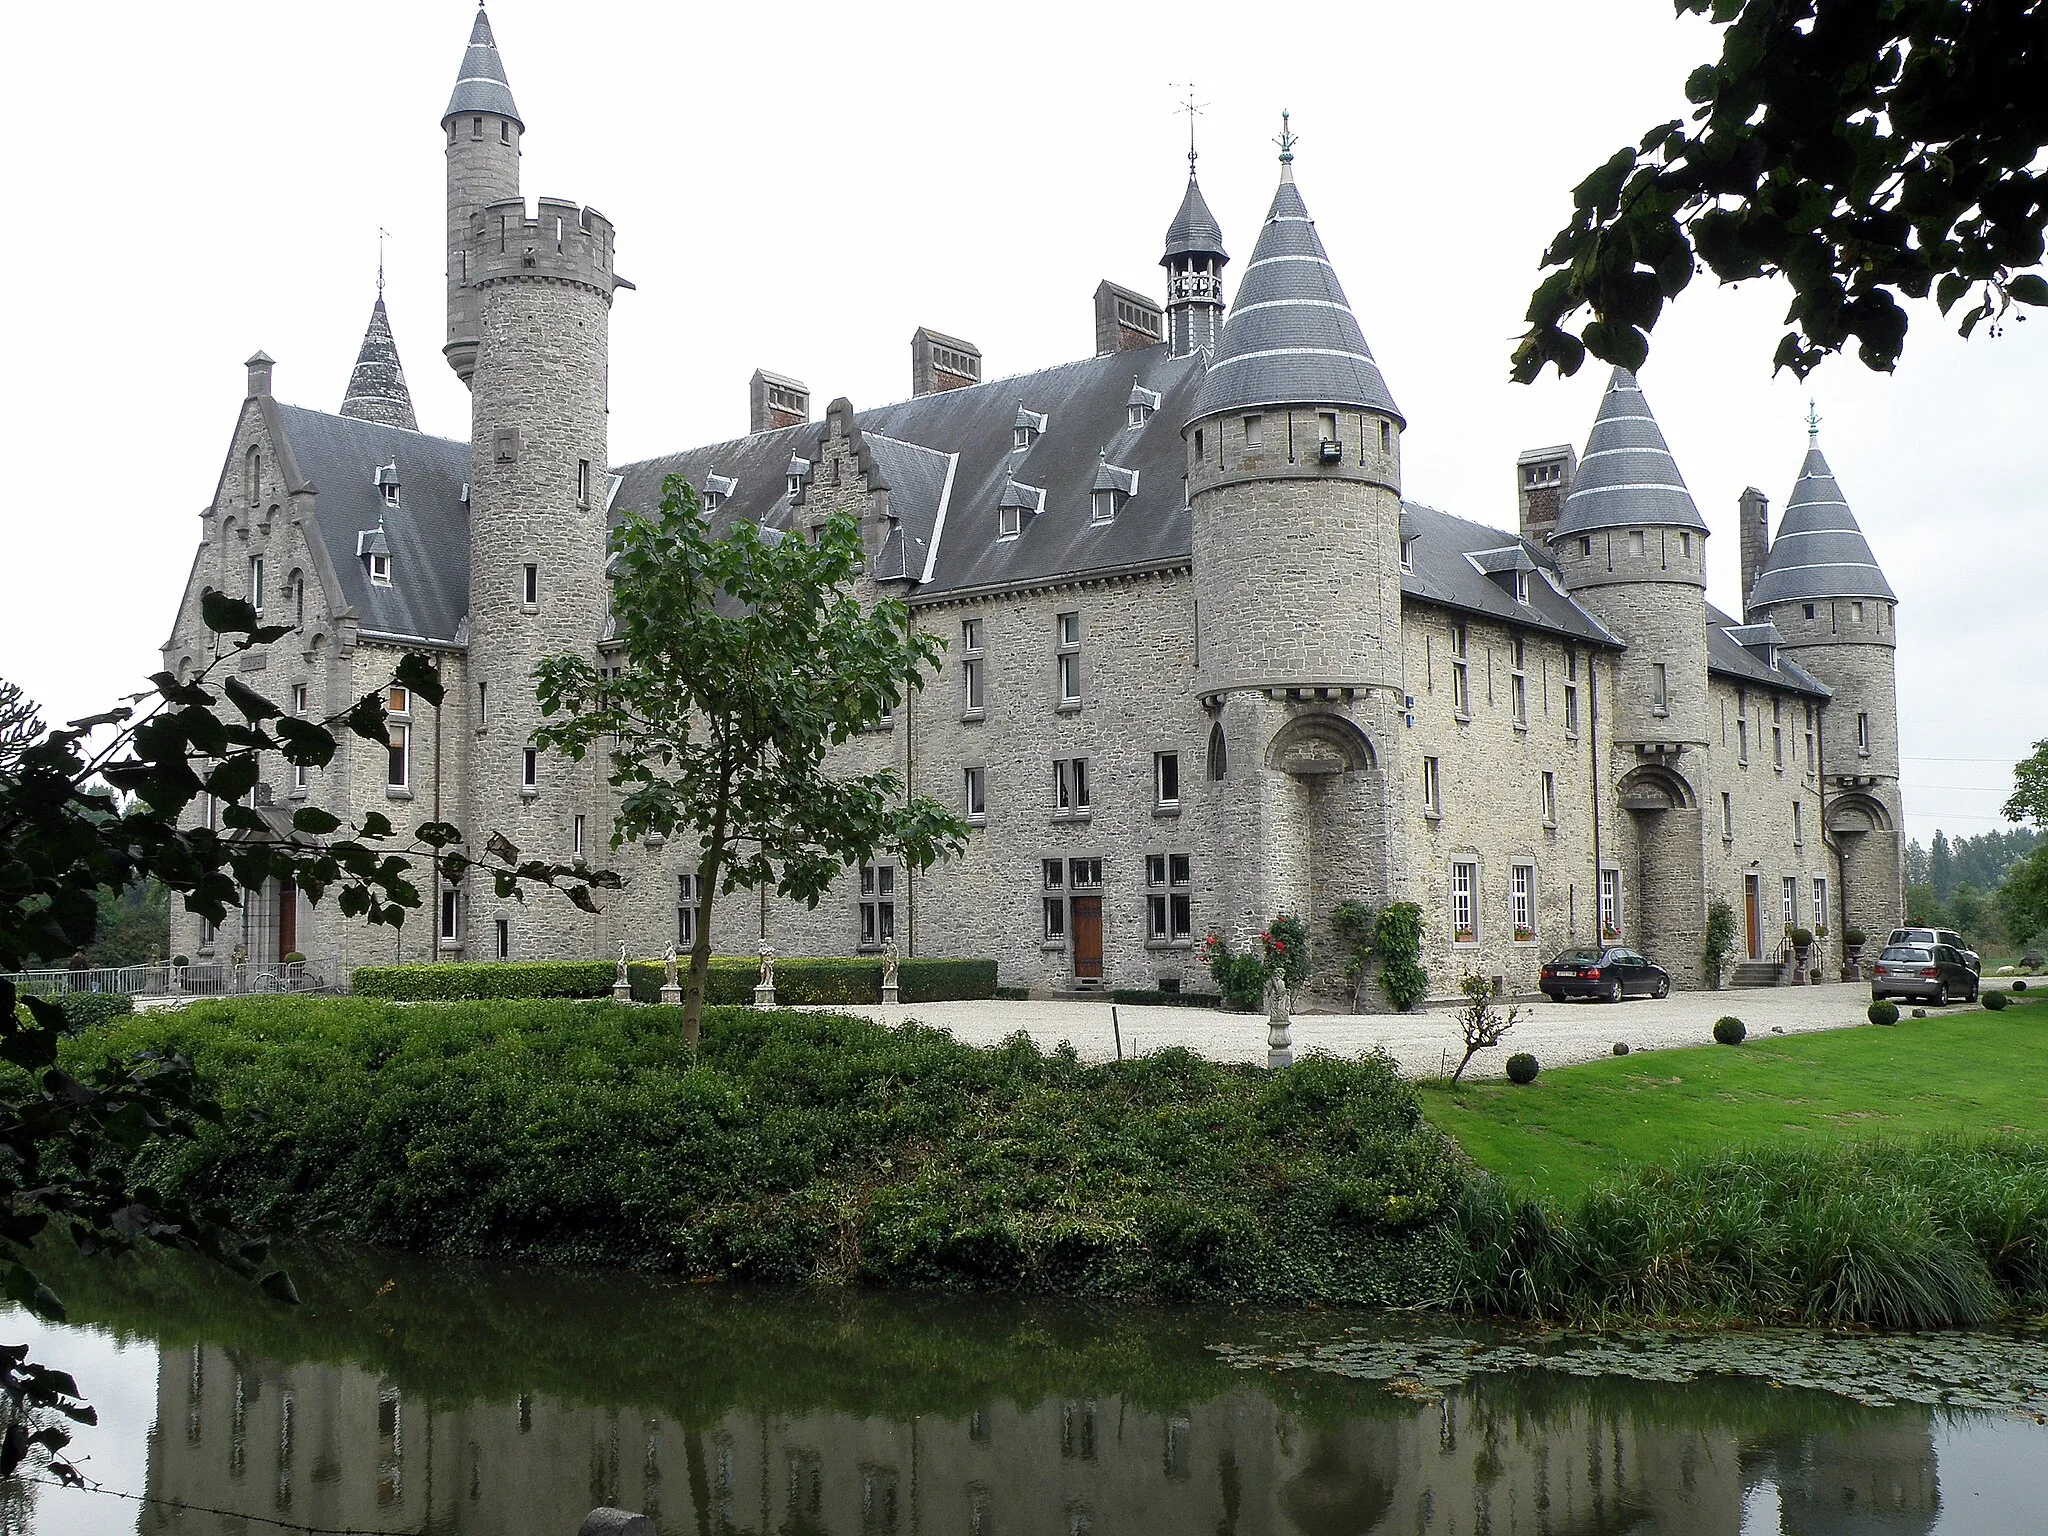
(1660, 694)
(1166, 778)
(1586, 546)
(209, 812)
(483, 705)
(1727, 816)
(1326, 426)
(1386, 437)
(1219, 753)
(689, 903)
(1777, 745)
(1820, 901)
(583, 482)
(529, 584)
(1809, 738)
(971, 657)
(1085, 874)
(1855, 613)
(252, 477)
(877, 905)
(974, 793)
(302, 699)
(1742, 740)
(256, 582)
(1798, 825)
(1522, 902)
(1198, 445)
(1789, 895)
(398, 758)
(297, 587)
(1808, 612)
(1635, 543)
(1168, 905)
(504, 926)
(1571, 692)
(1054, 880)
(1518, 690)
(1070, 786)
(1549, 799)
(1464, 910)
(1863, 734)
(1254, 433)
(576, 838)
(302, 778)
(1432, 787)
(1103, 506)
(531, 772)
(504, 133)
(1009, 522)
(1685, 545)
(1610, 903)
(1461, 692)
(1408, 554)
(397, 700)
(476, 127)
(207, 934)
(451, 915)
(1069, 653)
(380, 569)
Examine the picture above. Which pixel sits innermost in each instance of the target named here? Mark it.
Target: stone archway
(1661, 859)
(1866, 844)
(1329, 824)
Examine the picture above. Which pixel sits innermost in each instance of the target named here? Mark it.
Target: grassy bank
(1967, 1069)
(807, 1148)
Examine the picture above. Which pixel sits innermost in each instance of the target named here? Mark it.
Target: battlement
(561, 241)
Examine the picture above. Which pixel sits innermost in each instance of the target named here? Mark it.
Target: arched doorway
(1328, 821)
(1660, 859)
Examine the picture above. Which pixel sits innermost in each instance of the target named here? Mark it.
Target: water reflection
(440, 1400)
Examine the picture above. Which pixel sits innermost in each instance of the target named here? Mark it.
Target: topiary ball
(1522, 1068)
(1995, 1000)
(1729, 1030)
(1919, 1013)
(1621, 1047)
(1883, 1012)
(179, 960)
(2019, 986)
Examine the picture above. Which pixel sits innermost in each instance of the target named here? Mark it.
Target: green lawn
(1968, 1069)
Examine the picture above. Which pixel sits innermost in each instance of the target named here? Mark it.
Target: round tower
(1294, 480)
(1194, 262)
(1631, 547)
(483, 128)
(1821, 586)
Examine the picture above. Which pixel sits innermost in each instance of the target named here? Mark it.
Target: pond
(417, 1396)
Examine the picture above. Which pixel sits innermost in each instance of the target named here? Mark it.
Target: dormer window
(373, 547)
(386, 480)
(1104, 504)
(1018, 501)
(380, 570)
(1522, 587)
(1113, 486)
(1009, 522)
(1028, 427)
(1140, 404)
(798, 469)
(716, 489)
(1408, 553)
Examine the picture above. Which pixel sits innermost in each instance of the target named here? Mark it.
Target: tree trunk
(700, 947)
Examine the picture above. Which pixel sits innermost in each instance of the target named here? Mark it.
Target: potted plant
(1802, 955)
(1609, 933)
(1852, 950)
(1524, 934)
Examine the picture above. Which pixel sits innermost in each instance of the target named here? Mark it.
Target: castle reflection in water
(339, 1448)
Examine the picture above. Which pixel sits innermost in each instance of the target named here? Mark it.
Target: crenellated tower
(1821, 586)
(1293, 456)
(483, 128)
(536, 305)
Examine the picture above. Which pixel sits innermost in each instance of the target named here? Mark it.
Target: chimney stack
(1543, 478)
(939, 362)
(259, 368)
(1125, 320)
(1755, 541)
(775, 400)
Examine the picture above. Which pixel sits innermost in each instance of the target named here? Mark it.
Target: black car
(1931, 973)
(1609, 974)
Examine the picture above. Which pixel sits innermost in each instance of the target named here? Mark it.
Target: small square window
(1055, 873)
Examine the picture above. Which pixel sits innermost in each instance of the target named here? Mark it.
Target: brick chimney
(939, 362)
(1755, 541)
(1543, 478)
(1126, 320)
(775, 400)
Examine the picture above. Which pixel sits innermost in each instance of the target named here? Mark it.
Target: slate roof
(482, 86)
(1626, 477)
(1727, 656)
(1819, 552)
(1439, 546)
(1194, 230)
(1290, 337)
(428, 531)
(376, 386)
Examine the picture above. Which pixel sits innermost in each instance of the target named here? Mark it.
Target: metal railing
(206, 979)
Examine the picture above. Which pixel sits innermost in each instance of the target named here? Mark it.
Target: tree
(2024, 898)
(2029, 800)
(1482, 1025)
(1864, 150)
(95, 807)
(1941, 866)
(745, 659)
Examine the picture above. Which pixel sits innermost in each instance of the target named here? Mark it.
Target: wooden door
(1750, 902)
(1087, 920)
(287, 918)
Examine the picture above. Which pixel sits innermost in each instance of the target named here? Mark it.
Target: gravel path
(1423, 1044)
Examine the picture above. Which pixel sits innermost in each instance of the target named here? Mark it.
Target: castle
(1205, 664)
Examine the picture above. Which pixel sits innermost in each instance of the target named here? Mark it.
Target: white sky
(800, 188)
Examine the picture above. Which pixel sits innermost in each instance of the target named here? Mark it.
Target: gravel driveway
(1423, 1043)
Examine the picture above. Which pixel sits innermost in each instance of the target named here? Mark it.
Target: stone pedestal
(671, 994)
(891, 993)
(622, 991)
(1279, 1016)
(764, 996)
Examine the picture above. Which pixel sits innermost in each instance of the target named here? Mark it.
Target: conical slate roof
(1627, 477)
(1819, 551)
(1194, 230)
(482, 86)
(376, 389)
(1290, 337)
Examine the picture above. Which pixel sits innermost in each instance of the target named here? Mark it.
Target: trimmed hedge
(799, 980)
(82, 1010)
(1147, 997)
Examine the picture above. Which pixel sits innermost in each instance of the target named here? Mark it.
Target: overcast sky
(799, 187)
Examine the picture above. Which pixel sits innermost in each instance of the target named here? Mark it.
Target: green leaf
(1952, 287)
(2028, 288)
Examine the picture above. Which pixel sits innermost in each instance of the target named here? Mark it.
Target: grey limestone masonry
(1214, 671)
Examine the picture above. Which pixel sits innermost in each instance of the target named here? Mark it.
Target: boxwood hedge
(798, 980)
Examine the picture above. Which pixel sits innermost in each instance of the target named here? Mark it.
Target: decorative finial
(1288, 138)
(383, 234)
(1193, 109)
(1812, 424)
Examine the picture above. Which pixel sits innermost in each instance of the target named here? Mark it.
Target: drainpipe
(1593, 736)
(1841, 870)
(909, 793)
(434, 901)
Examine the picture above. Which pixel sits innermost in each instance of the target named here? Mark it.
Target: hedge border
(799, 980)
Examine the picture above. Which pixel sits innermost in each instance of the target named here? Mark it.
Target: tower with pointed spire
(376, 385)
(1194, 260)
(1821, 587)
(484, 129)
(1293, 452)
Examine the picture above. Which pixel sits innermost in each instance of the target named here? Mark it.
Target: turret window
(1863, 735)
(1386, 437)
(1254, 433)
(1635, 543)
(1855, 613)
(529, 585)
(1219, 753)
(1660, 693)
(476, 127)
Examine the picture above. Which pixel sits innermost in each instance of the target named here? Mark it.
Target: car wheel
(1941, 995)
(1614, 993)
(1663, 987)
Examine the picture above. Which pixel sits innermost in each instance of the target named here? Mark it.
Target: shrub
(1996, 1001)
(2019, 986)
(293, 957)
(82, 1010)
(1397, 935)
(1522, 1068)
(1621, 1047)
(1883, 1011)
(1729, 1030)
(801, 1146)
(452, 983)
(730, 982)
(1854, 937)
(1719, 940)
(179, 960)
(929, 979)
(1014, 994)
(1143, 997)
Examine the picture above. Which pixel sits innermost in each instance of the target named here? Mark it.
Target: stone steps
(1755, 973)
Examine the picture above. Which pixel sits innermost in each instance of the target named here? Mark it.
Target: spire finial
(383, 234)
(1812, 424)
(1287, 140)
(1193, 109)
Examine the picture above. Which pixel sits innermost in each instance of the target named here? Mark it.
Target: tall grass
(1943, 1231)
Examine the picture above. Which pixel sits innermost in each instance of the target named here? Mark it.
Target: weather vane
(1812, 422)
(1193, 109)
(383, 234)
(1288, 138)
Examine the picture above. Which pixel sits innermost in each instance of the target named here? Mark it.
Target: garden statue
(671, 991)
(890, 992)
(1279, 1042)
(622, 988)
(764, 989)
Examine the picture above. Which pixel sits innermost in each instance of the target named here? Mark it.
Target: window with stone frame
(689, 906)
(972, 659)
(1610, 904)
(1742, 728)
(1863, 735)
(1432, 787)
(1727, 817)
(1067, 650)
(530, 769)
(1461, 682)
(504, 944)
(1798, 825)
(877, 905)
(451, 915)
(256, 582)
(1053, 893)
(1218, 761)
(1549, 798)
(1522, 902)
(1788, 895)
(1571, 692)
(398, 756)
(974, 794)
(1169, 901)
(1660, 688)
(529, 584)
(1518, 686)
(1070, 787)
(1820, 903)
(1464, 901)
(1166, 780)
(1809, 739)
(1778, 734)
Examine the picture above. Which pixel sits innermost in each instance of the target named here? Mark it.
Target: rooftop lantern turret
(1194, 260)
